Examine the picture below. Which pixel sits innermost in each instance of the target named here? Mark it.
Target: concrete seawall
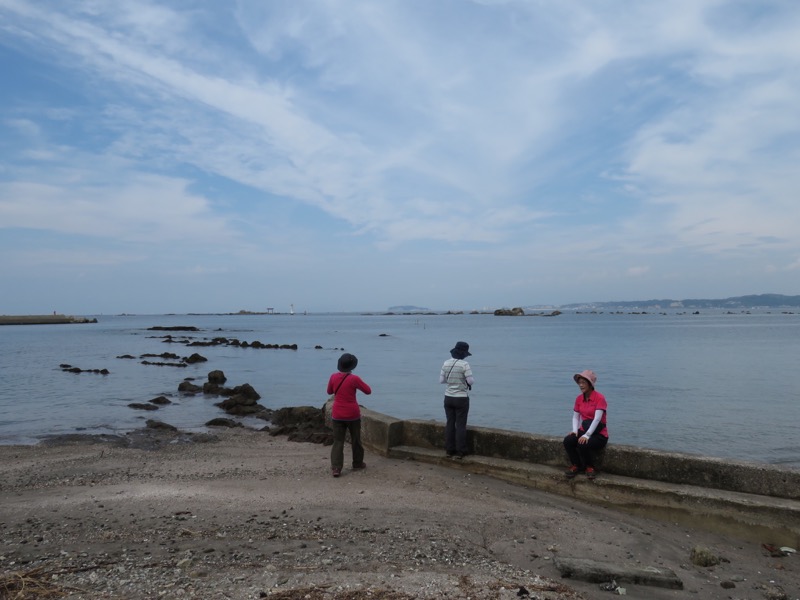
(752, 501)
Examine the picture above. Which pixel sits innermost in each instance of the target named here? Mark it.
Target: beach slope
(242, 514)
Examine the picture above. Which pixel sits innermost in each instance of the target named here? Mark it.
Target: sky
(182, 156)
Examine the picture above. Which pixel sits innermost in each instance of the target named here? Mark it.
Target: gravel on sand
(241, 514)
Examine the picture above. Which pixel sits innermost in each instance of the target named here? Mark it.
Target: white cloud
(147, 208)
(584, 135)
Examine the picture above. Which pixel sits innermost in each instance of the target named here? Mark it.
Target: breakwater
(43, 319)
(752, 501)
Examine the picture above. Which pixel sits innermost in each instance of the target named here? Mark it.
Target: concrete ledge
(630, 461)
(599, 572)
(746, 516)
(751, 501)
(380, 432)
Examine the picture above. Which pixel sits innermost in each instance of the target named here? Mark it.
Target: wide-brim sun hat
(587, 375)
(462, 348)
(347, 362)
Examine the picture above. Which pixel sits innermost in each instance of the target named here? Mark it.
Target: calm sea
(715, 383)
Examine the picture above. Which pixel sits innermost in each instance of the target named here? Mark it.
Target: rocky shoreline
(241, 514)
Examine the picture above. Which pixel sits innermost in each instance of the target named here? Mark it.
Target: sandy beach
(242, 514)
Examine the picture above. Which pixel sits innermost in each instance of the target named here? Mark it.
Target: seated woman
(589, 432)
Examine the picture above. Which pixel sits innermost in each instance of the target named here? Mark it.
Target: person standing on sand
(457, 375)
(589, 433)
(345, 413)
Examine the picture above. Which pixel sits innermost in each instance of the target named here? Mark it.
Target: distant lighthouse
(291, 309)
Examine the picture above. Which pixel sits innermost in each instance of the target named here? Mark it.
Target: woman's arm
(362, 385)
(598, 415)
(576, 421)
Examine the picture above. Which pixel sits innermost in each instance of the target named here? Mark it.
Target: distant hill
(736, 302)
(407, 308)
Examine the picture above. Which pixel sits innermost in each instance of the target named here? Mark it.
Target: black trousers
(340, 431)
(456, 410)
(583, 455)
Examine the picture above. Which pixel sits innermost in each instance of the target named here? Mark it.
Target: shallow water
(716, 384)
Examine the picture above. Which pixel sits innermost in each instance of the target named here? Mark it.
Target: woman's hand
(583, 439)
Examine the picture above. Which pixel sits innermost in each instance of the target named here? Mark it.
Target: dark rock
(174, 328)
(236, 400)
(70, 369)
(240, 405)
(222, 422)
(214, 389)
(299, 415)
(302, 424)
(164, 355)
(195, 358)
(163, 364)
(246, 390)
(161, 400)
(142, 406)
(509, 312)
(153, 424)
(189, 388)
(217, 377)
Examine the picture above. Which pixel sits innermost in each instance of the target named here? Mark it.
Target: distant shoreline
(43, 320)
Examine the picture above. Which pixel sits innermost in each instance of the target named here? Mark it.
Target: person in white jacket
(457, 375)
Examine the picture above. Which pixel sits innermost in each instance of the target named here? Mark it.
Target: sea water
(715, 383)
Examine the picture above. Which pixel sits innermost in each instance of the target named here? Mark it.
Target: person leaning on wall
(456, 373)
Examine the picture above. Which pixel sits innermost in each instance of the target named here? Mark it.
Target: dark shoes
(356, 466)
(573, 471)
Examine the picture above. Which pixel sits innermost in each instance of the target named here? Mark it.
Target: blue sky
(204, 156)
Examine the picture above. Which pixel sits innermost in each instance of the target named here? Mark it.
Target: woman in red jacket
(346, 413)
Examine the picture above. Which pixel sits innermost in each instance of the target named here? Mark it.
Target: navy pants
(582, 455)
(456, 410)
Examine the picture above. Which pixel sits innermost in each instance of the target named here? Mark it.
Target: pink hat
(587, 375)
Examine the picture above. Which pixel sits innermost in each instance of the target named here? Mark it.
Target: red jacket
(345, 406)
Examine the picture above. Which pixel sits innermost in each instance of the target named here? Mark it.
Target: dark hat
(347, 362)
(461, 350)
